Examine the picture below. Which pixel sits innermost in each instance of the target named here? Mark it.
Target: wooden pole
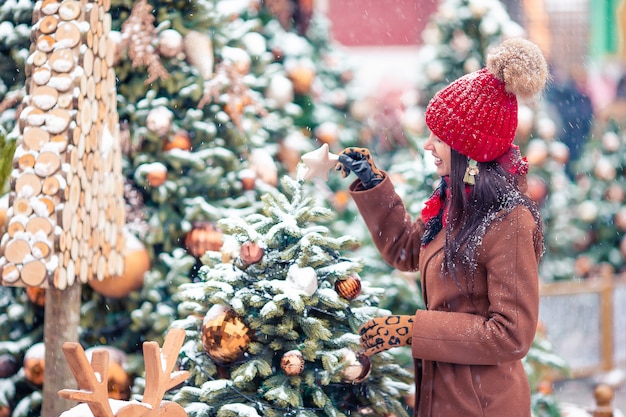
(61, 325)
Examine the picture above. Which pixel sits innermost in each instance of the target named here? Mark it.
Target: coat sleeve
(509, 256)
(396, 236)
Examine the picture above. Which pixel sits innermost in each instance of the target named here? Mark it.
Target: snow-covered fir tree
(272, 322)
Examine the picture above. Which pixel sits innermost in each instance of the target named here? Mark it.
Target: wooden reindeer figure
(92, 381)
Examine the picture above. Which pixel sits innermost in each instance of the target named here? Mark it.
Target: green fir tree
(287, 297)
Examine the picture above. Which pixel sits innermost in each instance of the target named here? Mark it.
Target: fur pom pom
(520, 64)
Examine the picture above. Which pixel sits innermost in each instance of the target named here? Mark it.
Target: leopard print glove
(387, 332)
(359, 161)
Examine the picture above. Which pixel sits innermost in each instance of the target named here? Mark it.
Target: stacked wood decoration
(66, 209)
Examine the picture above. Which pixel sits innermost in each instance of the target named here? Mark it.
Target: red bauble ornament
(251, 253)
(349, 288)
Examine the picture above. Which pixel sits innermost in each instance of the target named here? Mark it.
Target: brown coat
(467, 352)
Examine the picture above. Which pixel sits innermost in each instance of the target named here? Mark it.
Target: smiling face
(441, 153)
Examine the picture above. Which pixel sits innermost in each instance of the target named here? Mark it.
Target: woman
(477, 245)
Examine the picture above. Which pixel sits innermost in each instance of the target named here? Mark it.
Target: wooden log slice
(48, 163)
(41, 250)
(41, 75)
(22, 206)
(74, 194)
(61, 82)
(50, 7)
(28, 185)
(45, 43)
(44, 97)
(33, 116)
(34, 273)
(51, 186)
(48, 204)
(87, 62)
(84, 273)
(35, 137)
(57, 120)
(91, 86)
(71, 273)
(85, 116)
(26, 161)
(38, 59)
(14, 228)
(36, 225)
(60, 278)
(68, 34)
(10, 274)
(60, 142)
(48, 24)
(62, 60)
(16, 251)
(69, 10)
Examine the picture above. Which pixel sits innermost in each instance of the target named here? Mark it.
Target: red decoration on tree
(349, 288)
(203, 236)
(251, 253)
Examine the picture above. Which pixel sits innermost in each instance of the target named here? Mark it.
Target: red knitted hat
(477, 114)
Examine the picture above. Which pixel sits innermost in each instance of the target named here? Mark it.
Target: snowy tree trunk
(61, 325)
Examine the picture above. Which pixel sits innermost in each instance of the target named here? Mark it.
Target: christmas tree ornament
(36, 295)
(280, 91)
(8, 365)
(537, 189)
(304, 279)
(155, 173)
(319, 162)
(239, 57)
(251, 253)
(611, 142)
(327, 132)
(349, 288)
(263, 164)
(615, 193)
(537, 152)
(302, 77)
(559, 152)
(170, 43)
(620, 219)
(159, 121)
(34, 363)
(247, 177)
(292, 363)
(225, 337)
(180, 140)
(203, 236)
(136, 261)
(358, 368)
(198, 48)
(604, 169)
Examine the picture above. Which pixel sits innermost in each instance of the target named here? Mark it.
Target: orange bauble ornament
(155, 174)
(302, 78)
(36, 295)
(292, 363)
(225, 336)
(136, 263)
(359, 366)
(202, 237)
(180, 140)
(349, 288)
(34, 363)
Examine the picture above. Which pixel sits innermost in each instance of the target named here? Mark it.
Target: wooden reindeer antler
(91, 389)
(92, 380)
(159, 376)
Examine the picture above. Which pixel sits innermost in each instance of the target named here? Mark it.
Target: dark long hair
(473, 209)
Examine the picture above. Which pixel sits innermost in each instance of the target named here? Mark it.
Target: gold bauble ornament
(180, 140)
(34, 363)
(225, 336)
(136, 263)
(359, 366)
(292, 363)
(349, 288)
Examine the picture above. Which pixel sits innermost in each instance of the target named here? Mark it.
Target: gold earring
(470, 172)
